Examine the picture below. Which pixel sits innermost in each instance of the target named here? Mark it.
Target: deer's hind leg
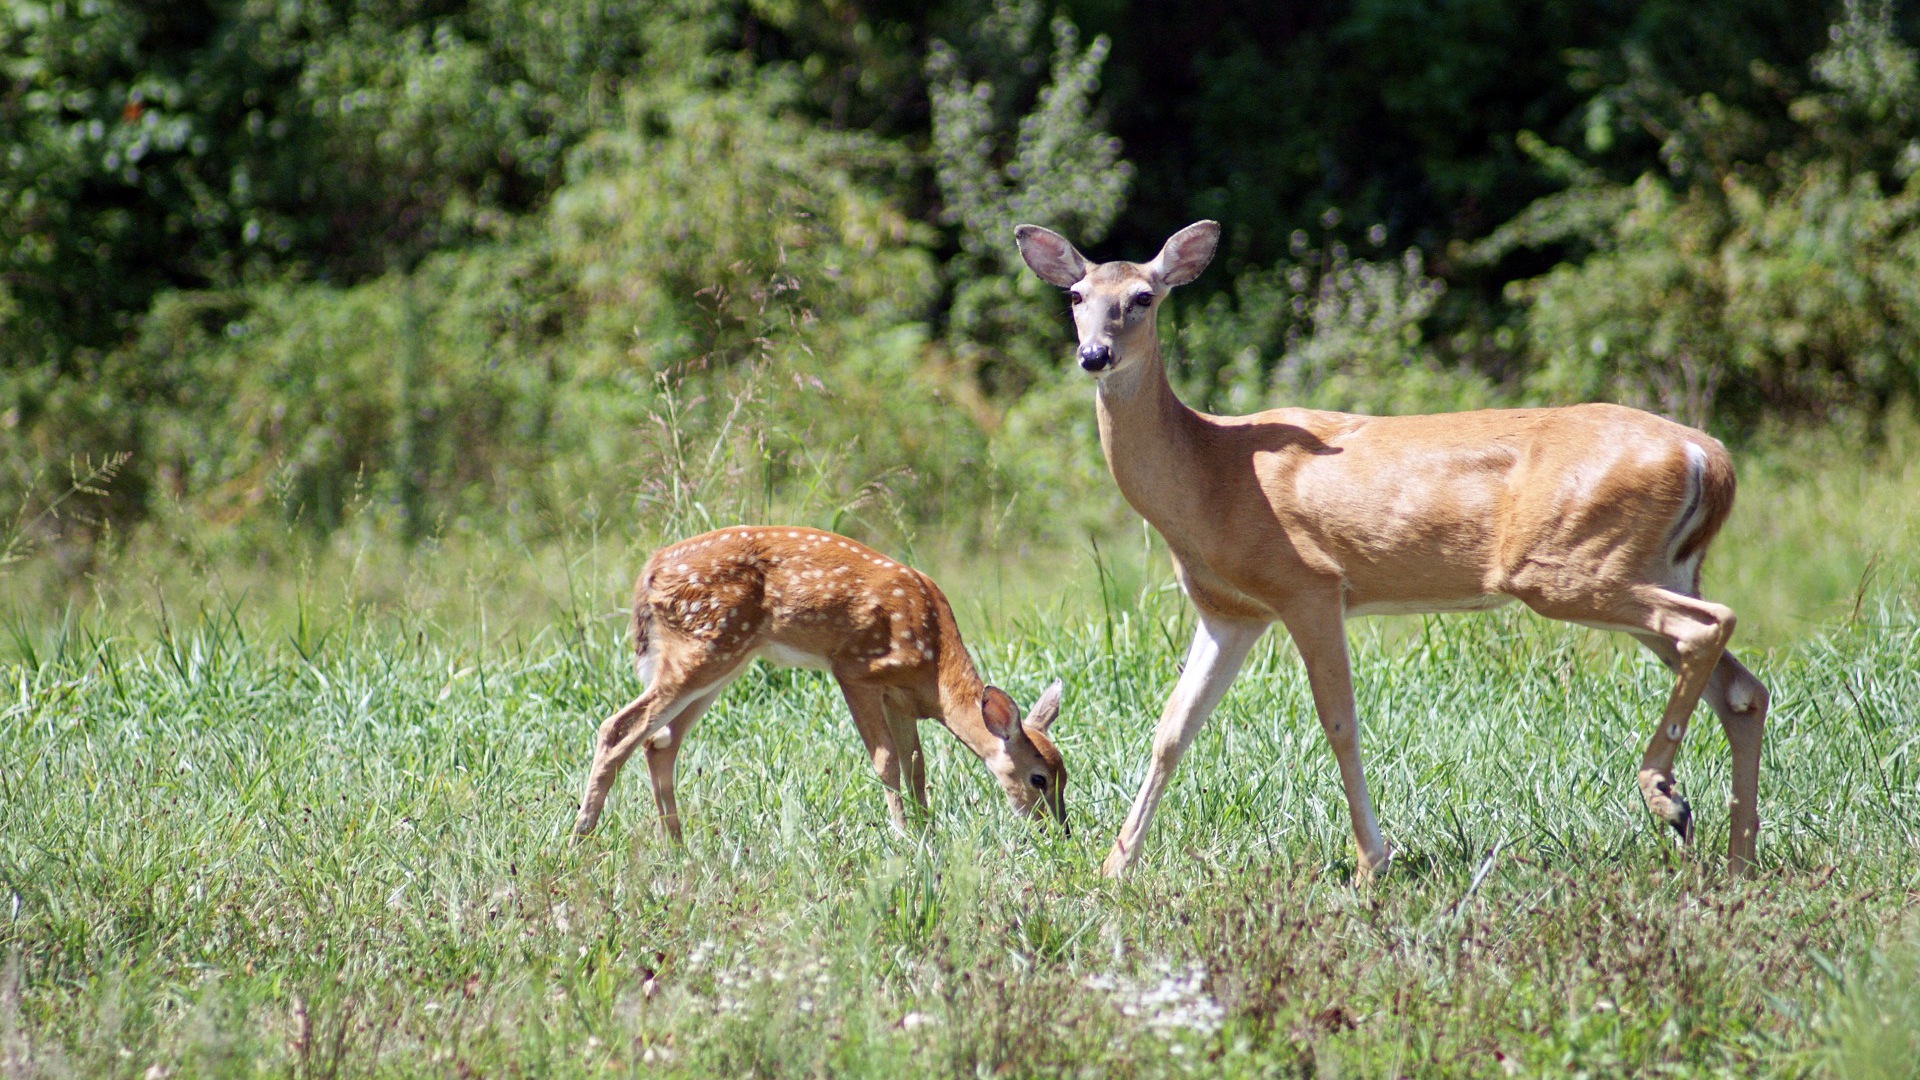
(1691, 634)
(1740, 700)
(675, 688)
(663, 753)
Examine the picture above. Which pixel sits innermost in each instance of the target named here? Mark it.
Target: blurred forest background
(445, 269)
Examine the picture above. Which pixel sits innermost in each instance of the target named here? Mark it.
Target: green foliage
(212, 142)
(709, 228)
(1753, 280)
(146, 146)
(1875, 1022)
(460, 264)
(1401, 112)
(998, 167)
(1324, 329)
(708, 246)
(1060, 169)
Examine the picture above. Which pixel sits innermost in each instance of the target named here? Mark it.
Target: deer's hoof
(1681, 818)
(1667, 804)
(1372, 868)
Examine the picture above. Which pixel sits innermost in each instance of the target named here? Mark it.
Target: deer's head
(1114, 303)
(1029, 767)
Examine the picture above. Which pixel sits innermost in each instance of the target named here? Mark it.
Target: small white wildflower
(1177, 1002)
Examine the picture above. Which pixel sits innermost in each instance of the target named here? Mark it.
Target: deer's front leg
(1219, 648)
(1319, 631)
(913, 762)
(870, 716)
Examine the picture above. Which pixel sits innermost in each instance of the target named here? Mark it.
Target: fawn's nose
(1096, 357)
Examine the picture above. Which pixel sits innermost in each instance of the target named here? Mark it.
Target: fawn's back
(800, 596)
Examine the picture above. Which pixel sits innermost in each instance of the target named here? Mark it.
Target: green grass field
(335, 844)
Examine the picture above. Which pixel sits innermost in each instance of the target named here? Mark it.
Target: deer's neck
(1147, 434)
(960, 691)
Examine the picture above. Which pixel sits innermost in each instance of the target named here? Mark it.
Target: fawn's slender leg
(868, 706)
(913, 762)
(1319, 631)
(624, 732)
(663, 753)
(1219, 648)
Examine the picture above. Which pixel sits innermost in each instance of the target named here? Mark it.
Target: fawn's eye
(1038, 780)
(1076, 296)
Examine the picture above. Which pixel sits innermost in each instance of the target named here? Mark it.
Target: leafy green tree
(1754, 276)
(998, 167)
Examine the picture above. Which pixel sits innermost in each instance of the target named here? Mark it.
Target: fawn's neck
(960, 689)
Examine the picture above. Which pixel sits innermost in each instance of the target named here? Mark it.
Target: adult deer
(1595, 514)
(705, 607)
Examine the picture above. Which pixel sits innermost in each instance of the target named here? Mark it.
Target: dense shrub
(1327, 329)
(1761, 273)
(497, 265)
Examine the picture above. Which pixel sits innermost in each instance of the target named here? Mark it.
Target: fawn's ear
(1186, 253)
(1047, 709)
(1002, 716)
(1050, 255)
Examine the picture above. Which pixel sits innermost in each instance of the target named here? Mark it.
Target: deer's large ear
(1050, 255)
(1002, 716)
(1185, 253)
(1047, 709)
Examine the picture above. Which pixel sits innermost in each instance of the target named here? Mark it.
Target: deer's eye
(1038, 780)
(1076, 296)
(1143, 300)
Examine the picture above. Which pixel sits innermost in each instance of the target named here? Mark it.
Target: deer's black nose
(1096, 357)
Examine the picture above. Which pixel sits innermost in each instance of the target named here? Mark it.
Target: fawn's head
(1114, 303)
(1029, 767)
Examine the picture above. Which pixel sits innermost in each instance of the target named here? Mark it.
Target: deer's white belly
(1486, 602)
(788, 656)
